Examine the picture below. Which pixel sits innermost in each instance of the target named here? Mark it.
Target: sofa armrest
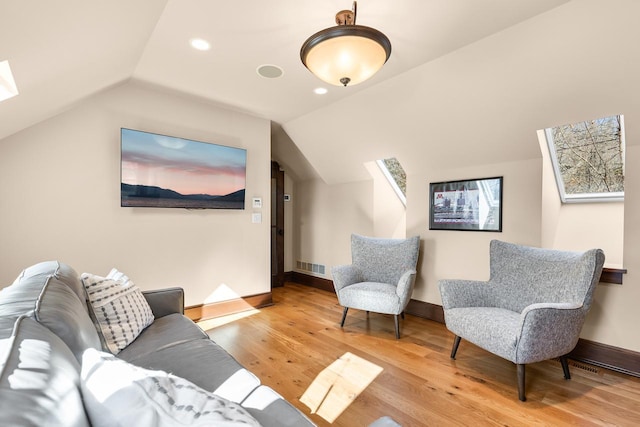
(539, 323)
(165, 301)
(404, 288)
(345, 275)
(463, 293)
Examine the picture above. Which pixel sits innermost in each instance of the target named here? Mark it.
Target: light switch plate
(257, 202)
(256, 218)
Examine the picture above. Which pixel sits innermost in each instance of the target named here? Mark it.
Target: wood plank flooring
(287, 345)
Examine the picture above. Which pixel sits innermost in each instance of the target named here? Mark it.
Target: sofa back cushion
(51, 293)
(39, 377)
(63, 272)
(523, 275)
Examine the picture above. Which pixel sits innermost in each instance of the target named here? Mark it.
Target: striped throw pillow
(118, 307)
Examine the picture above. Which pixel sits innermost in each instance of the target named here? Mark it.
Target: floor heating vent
(577, 365)
(311, 267)
(584, 367)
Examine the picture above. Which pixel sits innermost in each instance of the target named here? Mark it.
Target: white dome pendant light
(347, 53)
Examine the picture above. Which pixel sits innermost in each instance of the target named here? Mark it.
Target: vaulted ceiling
(468, 81)
(63, 52)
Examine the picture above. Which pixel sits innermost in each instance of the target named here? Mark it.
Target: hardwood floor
(287, 345)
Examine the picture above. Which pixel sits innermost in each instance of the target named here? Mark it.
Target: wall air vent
(311, 267)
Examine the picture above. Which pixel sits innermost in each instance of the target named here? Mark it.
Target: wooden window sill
(612, 275)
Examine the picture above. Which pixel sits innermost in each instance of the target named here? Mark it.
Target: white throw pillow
(117, 393)
(118, 307)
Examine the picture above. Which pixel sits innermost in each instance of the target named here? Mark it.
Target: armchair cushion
(371, 296)
(494, 329)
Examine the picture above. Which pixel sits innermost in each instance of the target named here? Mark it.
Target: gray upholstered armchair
(380, 278)
(531, 309)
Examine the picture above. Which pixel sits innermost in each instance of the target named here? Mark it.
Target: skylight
(8, 87)
(393, 171)
(588, 159)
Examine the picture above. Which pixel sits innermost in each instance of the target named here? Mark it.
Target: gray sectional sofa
(46, 330)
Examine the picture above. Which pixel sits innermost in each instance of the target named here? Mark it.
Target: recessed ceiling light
(200, 44)
(270, 71)
(320, 90)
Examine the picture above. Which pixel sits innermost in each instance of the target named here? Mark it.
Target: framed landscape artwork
(468, 205)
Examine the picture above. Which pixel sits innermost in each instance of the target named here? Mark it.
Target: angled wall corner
(389, 213)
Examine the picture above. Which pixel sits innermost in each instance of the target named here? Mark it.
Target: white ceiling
(63, 52)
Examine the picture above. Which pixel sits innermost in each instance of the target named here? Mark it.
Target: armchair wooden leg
(454, 349)
(344, 316)
(565, 367)
(397, 326)
(402, 315)
(521, 394)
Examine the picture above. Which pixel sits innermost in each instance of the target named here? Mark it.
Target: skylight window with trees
(393, 171)
(588, 159)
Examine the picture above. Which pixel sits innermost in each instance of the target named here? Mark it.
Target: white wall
(60, 193)
(325, 217)
(317, 209)
(389, 213)
(596, 225)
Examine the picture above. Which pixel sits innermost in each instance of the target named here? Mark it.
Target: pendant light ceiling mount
(347, 53)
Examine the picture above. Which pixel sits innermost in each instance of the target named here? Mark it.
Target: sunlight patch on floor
(223, 320)
(333, 390)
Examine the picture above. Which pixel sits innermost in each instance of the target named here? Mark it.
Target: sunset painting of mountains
(169, 172)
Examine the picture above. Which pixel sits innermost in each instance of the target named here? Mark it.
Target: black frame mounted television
(168, 172)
